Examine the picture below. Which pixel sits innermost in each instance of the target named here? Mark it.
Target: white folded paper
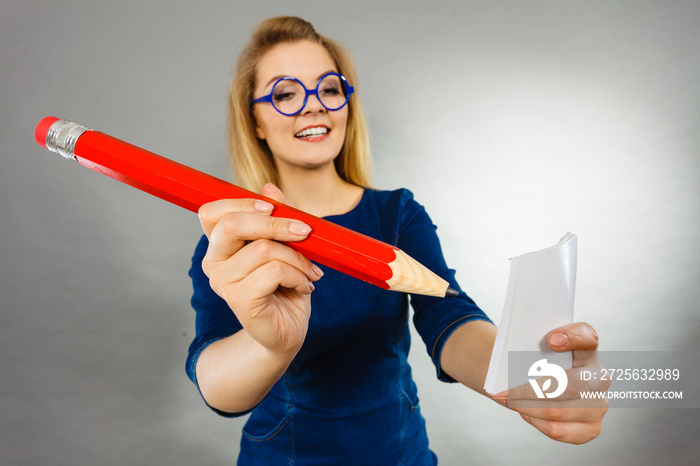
(540, 298)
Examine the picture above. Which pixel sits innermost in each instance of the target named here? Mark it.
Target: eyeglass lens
(288, 95)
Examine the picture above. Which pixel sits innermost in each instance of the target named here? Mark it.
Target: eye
(286, 90)
(283, 96)
(331, 91)
(330, 86)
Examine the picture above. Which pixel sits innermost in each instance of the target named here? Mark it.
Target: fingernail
(559, 340)
(299, 228)
(318, 271)
(311, 286)
(262, 206)
(501, 398)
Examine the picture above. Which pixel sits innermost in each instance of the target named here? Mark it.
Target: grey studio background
(513, 122)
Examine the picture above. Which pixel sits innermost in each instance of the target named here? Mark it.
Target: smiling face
(314, 137)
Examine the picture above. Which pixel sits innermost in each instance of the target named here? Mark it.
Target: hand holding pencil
(266, 283)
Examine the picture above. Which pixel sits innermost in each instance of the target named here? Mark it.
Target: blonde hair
(253, 165)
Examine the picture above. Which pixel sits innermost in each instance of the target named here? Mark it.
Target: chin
(316, 160)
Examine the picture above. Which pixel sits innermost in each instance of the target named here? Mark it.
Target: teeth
(310, 132)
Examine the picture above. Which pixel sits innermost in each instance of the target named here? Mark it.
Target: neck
(320, 192)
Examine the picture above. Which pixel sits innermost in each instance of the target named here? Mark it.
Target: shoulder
(397, 201)
(401, 203)
(397, 211)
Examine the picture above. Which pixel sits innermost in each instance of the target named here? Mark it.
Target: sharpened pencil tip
(451, 292)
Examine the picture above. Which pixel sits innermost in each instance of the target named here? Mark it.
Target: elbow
(218, 398)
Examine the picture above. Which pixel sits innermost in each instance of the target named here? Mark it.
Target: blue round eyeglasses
(289, 96)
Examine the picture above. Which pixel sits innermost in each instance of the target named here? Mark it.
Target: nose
(313, 104)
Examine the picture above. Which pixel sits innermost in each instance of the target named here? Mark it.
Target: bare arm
(467, 353)
(235, 373)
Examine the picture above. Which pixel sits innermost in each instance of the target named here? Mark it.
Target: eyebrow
(280, 76)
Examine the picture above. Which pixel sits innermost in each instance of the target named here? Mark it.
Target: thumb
(273, 192)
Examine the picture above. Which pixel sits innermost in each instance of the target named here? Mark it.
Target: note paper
(540, 298)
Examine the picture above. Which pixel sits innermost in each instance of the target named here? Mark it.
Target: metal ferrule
(62, 136)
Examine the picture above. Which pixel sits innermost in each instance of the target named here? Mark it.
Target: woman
(321, 362)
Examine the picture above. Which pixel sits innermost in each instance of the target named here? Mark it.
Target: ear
(258, 130)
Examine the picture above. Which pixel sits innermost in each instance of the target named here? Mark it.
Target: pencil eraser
(42, 129)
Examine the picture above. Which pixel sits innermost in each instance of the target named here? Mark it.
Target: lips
(312, 132)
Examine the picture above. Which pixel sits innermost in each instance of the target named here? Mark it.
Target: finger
(587, 359)
(273, 192)
(501, 398)
(275, 274)
(254, 255)
(263, 282)
(210, 213)
(568, 432)
(524, 395)
(558, 413)
(234, 229)
(578, 336)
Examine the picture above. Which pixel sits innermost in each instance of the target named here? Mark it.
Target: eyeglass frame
(268, 98)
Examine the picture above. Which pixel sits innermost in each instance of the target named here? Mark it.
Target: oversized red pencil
(349, 252)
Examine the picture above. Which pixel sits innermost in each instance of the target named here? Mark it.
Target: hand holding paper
(566, 418)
